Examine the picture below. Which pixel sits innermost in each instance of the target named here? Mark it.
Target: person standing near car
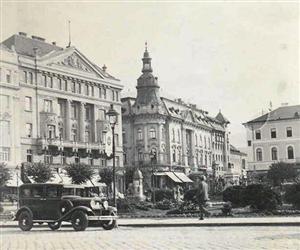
(202, 197)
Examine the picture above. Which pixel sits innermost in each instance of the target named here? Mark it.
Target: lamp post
(17, 170)
(113, 118)
(152, 155)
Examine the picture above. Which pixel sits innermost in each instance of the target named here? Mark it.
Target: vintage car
(46, 203)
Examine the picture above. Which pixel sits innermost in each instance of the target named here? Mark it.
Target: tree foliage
(129, 171)
(4, 174)
(79, 172)
(280, 172)
(39, 172)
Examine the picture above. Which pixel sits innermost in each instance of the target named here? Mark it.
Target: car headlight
(95, 204)
(105, 204)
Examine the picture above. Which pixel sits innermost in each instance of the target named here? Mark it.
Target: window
(92, 91)
(4, 154)
(257, 135)
(173, 135)
(61, 109)
(117, 96)
(73, 111)
(24, 77)
(47, 105)
(45, 80)
(124, 136)
(29, 155)
(274, 154)
(259, 154)
(73, 87)
(113, 95)
(78, 88)
(104, 93)
(87, 89)
(28, 103)
(37, 191)
(249, 143)
(8, 76)
(51, 131)
(273, 133)
(140, 134)
(30, 76)
(289, 132)
(290, 152)
(152, 133)
(4, 102)
(91, 161)
(77, 159)
(140, 155)
(196, 140)
(124, 158)
(99, 92)
(52, 192)
(163, 134)
(66, 85)
(87, 113)
(28, 130)
(174, 155)
(61, 133)
(87, 136)
(5, 132)
(117, 161)
(178, 132)
(60, 86)
(50, 82)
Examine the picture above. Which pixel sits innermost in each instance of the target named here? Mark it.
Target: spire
(146, 60)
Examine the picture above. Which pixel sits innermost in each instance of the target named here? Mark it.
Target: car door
(36, 201)
(52, 201)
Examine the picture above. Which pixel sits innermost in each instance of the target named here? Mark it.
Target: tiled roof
(220, 117)
(24, 45)
(281, 113)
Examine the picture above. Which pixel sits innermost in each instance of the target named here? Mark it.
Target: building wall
(266, 143)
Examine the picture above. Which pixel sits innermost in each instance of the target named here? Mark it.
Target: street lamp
(152, 155)
(113, 118)
(17, 171)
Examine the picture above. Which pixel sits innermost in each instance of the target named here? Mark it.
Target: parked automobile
(40, 203)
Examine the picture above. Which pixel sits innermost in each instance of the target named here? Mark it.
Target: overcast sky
(236, 57)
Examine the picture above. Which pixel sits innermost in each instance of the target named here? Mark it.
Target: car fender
(68, 215)
(21, 209)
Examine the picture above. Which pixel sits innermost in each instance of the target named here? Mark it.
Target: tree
(39, 172)
(4, 174)
(280, 172)
(79, 172)
(106, 175)
(129, 171)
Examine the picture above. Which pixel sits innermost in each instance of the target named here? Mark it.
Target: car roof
(40, 184)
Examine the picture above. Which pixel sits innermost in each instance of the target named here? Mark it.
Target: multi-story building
(174, 134)
(237, 167)
(273, 137)
(53, 104)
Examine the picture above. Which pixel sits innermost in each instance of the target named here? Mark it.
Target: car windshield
(52, 192)
(37, 192)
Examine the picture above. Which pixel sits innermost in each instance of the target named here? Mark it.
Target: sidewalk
(193, 222)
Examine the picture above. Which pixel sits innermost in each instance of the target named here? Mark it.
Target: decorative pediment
(188, 116)
(74, 61)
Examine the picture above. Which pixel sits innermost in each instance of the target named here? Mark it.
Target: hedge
(292, 195)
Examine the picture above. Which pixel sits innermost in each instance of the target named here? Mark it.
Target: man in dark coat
(202, 197)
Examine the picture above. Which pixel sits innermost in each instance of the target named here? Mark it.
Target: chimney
(104, 68)
(38, 38)
(54, 43)
(22, 34)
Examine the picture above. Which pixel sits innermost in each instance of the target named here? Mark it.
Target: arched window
(152, 133)
(196, 140)
(259, 154)
(290, 152)
(204, 142)
(140, 134)
(179, 155)
(140, 155)
(178, 132)
(173, 135)
(274, 154)
(163, 135)
(174, 155)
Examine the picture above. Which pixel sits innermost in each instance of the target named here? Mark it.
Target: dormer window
(257, 135)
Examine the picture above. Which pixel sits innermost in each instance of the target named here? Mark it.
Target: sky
(236, 57)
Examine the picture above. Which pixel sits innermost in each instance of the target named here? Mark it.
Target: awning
(183, 177)
(14, 181)
(171, 175)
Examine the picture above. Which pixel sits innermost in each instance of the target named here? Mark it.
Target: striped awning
(183, 177)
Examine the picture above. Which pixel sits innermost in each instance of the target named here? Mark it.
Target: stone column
(67, 124)
(81, 121)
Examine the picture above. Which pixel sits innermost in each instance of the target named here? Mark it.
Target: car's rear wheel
(109, 224)
(25, 221)
(54, 225)
(79, 221)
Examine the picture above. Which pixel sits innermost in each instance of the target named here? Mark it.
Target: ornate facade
(53, 104)
(175, 135)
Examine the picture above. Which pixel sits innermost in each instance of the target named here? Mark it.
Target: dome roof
(137, 174)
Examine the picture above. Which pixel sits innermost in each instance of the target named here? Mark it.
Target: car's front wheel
(25, 221)
(79, 221)
(54, 225)
(109, 224)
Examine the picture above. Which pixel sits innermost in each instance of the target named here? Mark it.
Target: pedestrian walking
(202, 197)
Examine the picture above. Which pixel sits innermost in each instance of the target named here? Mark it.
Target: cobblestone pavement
(153, 238)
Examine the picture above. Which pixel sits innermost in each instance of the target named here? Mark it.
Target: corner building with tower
(163, 136)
